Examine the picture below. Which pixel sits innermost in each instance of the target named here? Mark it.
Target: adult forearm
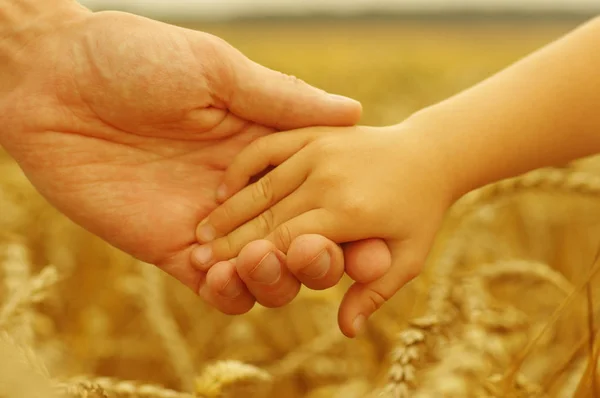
(22, 21)
(542, 111)
(24, 25)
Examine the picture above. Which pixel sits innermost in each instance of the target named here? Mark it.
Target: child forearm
(542, 111)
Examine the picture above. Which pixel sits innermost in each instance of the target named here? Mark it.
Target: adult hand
(126, 125)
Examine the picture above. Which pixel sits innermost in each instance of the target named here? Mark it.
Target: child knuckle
(263, 190)
(223, 215)
(259, 146)
(282, 237)
(324, 146)
(354, 206)
(375, 299)
(330, 179)
(227, 247)
(265, 221)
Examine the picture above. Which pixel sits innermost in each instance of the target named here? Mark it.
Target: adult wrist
(25, 26)
(24, 21)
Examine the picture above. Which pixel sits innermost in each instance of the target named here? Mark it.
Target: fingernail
(319, 266)
(267, 271)
(359, 324)
(221, 192)
(231, 289)
(202, 255)
(206, 232)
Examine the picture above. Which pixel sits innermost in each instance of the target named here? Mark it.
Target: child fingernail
(319, 266)
(202, 255)
(359, 324)
(222, 193)
(206, 233)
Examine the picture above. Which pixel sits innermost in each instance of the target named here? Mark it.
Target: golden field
(505, 308)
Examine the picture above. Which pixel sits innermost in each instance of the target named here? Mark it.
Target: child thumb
(362, 300)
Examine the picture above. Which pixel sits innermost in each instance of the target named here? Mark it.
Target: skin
(397, 182)
(131, 138)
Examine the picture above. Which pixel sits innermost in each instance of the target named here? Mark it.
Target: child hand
(346, 184)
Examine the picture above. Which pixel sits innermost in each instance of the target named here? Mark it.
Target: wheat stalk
(16, 267)
(162, 322)
(219, 377)
(299, 356)
(30, 293)
(22, 374)
(101, 387)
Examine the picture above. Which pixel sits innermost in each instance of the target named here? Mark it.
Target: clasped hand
(346, 184)
(127, 126)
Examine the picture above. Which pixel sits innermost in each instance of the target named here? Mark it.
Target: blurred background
(393, 55)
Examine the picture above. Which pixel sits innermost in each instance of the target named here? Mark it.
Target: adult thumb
(277, 100)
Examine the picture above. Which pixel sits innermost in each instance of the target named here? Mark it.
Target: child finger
(318, 221)
(367, 260)
(230, 245)
(253, 200)
(267, 151)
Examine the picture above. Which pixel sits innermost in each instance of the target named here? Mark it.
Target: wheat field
(505, 308)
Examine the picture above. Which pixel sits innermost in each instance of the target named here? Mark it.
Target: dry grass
(504, 309)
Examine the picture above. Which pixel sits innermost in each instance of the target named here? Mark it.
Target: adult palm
(121, 120)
